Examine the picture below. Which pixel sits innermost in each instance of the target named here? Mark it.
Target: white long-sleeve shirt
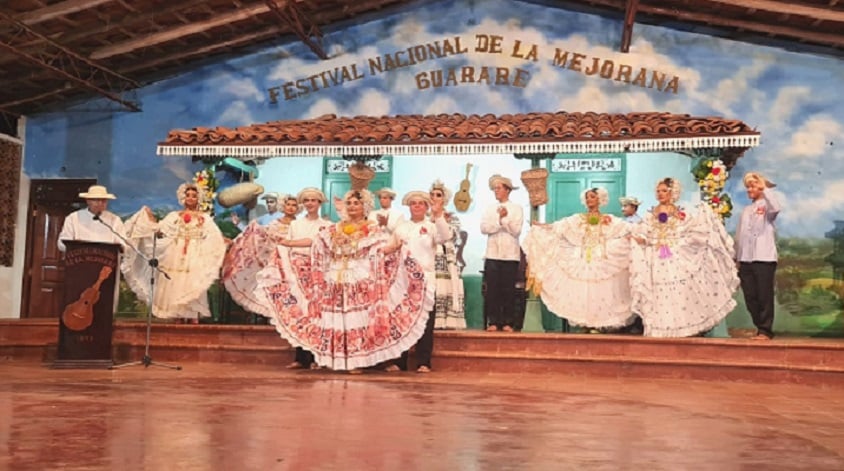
(304, 228)
(394, 218)
(421, 238)
(756, 233)
(80, 225)
(503, 233)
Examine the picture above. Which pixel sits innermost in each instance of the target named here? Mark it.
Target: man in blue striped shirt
(756, 252)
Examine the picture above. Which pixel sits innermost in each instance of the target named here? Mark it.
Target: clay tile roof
(558, 132)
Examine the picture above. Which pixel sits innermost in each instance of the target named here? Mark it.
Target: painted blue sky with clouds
(793, 99)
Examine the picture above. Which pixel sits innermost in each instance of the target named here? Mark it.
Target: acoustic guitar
(462, 199)
(79, 314)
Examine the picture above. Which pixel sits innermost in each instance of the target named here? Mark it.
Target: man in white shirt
(629, 206)
(502, 224)
(272, 214)
(421, 236)
(92, 223)
(386, 217)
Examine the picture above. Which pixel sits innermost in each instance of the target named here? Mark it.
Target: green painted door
(569, 176)
(335, 180)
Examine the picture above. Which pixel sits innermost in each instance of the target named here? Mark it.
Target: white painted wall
(645, 169)
(11, 278)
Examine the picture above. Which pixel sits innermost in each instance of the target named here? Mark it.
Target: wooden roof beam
(66, 63)
(828, 39)
(30, 99)
(57, 10)
(305, 29)
(630, 9)
(67, 38)
(208, 49)
(238, 41)
(787, 8)
(4, 110)
(181, 31)
(243, 13)
(834, 40)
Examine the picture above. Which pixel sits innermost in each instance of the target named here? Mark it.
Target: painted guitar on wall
(462, 199)
(79, 314)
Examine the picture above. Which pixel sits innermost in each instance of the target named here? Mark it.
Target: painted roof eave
(580, 146)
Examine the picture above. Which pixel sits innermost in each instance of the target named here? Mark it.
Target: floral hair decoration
(603, 195)
(364, 196)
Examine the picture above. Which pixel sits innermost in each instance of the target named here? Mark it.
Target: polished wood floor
(261, 417)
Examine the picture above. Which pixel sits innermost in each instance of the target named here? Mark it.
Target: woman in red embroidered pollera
(352, 306)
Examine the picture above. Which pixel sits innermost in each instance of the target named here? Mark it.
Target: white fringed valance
(266, 151)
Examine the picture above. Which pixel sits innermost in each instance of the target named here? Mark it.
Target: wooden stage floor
(233, 416)
(495, 401)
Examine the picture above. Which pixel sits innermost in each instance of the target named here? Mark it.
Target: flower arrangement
(207, 183)
(711, 175)
(351, 228)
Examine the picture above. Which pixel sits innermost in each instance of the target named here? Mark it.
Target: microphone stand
(147, 360)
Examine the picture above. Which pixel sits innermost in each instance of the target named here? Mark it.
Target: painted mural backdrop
(500, 57)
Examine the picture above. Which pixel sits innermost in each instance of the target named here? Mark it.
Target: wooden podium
(85, 324)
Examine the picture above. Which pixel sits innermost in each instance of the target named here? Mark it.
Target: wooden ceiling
(53, 52)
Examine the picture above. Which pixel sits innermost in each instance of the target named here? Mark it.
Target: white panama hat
(97, 192)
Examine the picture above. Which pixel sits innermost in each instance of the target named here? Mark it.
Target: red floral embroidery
(186, 218)
(681, 215)
(423, 230)
(760, 210)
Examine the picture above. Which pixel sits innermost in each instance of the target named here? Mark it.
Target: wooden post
(629, 18)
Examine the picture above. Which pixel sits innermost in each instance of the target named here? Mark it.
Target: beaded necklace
(593, 224)
(188, 231)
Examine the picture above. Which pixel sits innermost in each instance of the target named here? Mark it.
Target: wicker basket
(360, 174)
(535, 180)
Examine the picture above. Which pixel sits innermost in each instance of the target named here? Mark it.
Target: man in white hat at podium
(93, 222)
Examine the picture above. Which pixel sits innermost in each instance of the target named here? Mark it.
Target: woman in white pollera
(580, 265)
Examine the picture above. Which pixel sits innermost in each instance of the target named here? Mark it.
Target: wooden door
(50, 201)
